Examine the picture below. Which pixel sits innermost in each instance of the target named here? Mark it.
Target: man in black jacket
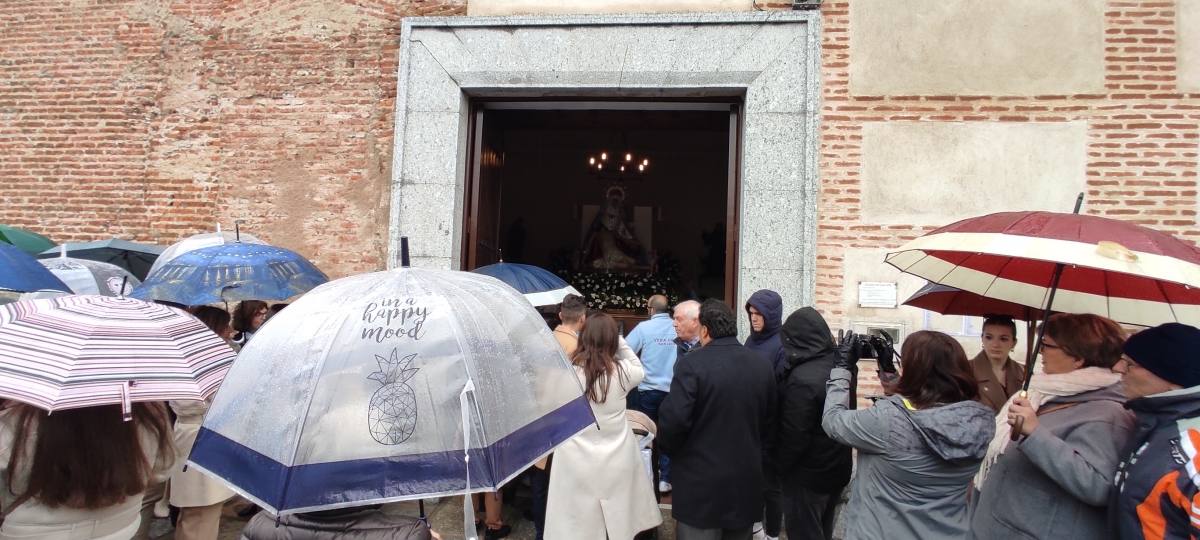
(714, 424)
(814, 468)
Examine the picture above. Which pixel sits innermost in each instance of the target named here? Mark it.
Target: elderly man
(1156, 481)
(714, 425)
(687, 327)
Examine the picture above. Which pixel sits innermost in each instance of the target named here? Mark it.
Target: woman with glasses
(1055, 480)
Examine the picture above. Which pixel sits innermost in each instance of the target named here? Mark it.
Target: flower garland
(614, 290)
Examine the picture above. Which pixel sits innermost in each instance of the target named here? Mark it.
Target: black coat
(713, 424)
(804, 455)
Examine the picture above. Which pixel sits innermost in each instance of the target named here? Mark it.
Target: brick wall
(1143, 135)
(157, 119)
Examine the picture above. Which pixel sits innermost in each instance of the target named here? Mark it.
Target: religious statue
(611, 244)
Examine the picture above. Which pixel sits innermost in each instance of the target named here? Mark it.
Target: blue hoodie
(766, 342)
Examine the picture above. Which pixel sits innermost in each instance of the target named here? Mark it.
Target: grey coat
(914, 466)
(1056, 482)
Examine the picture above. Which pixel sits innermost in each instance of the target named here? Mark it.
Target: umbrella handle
(1018, 423)
(126, 401)
(468, 506)
(1016, 429)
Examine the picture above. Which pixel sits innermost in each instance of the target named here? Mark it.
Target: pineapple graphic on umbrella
(392, 413)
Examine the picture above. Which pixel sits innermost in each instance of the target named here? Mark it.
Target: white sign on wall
(876, 294)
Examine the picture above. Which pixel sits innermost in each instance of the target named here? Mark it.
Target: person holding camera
(918, 448)
(1056, 481)
(998, 375)
(814, 468)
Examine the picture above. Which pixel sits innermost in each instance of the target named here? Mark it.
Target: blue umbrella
(19, 271)
(132, 256)
(540, 286)
(231, 272)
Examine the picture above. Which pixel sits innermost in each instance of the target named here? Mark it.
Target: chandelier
(631, 163)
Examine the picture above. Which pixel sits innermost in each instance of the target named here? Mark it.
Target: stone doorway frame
(770, 59)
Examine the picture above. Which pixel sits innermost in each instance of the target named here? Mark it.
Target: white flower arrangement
(608, 290)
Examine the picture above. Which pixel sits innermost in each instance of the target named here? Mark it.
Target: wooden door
(483, 211)
(733, 207)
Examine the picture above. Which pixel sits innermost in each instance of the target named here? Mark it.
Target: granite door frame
(770, 59)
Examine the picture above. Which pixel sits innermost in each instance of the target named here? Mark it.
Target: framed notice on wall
(876, 294)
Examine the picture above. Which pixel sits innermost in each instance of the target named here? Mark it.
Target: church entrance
(623, 199)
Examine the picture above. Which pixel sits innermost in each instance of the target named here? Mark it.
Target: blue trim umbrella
(229, 273)
(389, 386)
(132, 256)
(538, 285)
(20, 272)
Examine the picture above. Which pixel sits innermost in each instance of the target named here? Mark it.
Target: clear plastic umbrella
(359, 392)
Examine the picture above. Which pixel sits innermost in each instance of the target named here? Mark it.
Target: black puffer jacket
(805, 456)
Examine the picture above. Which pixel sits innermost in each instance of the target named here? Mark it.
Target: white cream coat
(598, 487)
(190, 488)
(32, 520)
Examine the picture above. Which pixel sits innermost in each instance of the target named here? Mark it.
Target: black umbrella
(132, 256)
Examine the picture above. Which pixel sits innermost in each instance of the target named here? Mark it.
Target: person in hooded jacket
(917, 448)
(814, 468)
(765, 312)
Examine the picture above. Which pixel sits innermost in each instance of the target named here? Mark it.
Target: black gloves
(885, 354)
(847, 351)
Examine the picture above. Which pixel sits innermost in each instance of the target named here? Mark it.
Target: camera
(878, 348)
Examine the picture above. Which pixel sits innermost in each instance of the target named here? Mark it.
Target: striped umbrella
(1120, 270)
(83, 351)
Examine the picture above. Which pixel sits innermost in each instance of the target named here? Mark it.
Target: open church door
(482, 218)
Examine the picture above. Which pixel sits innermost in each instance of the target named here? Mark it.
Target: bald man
(654, 342)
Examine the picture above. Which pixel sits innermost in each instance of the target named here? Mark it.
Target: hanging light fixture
(598, 160)
(626, 160)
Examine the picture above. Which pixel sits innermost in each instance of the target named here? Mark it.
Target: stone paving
(446, 517)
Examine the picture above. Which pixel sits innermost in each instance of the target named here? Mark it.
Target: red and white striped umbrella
(1123, 271)
(83, 351)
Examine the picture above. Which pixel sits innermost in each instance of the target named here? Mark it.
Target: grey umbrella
(132, 256)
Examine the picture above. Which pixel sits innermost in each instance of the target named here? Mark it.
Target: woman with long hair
(248, 317)
(1056, 480)
(918, 448)
(199, 497)
(998, 375)
(79, 473)
(598, 487)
